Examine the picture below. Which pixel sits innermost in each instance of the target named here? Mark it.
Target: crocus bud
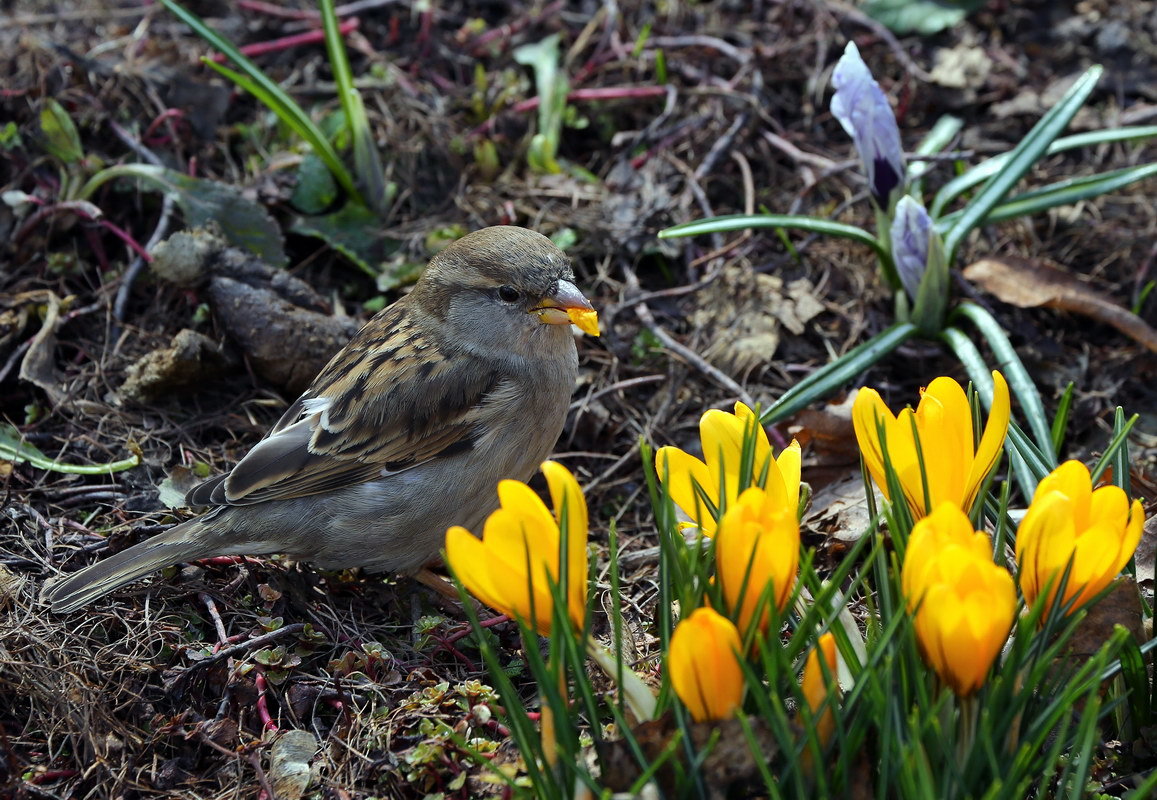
(863, 110)
(911, 226)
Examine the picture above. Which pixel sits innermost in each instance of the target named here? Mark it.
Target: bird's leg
(440, 585)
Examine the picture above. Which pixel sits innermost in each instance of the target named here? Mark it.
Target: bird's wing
(383, 405)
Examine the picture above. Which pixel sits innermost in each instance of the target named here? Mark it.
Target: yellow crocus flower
(757, 544)
(522, 533)
(953, 466)
(964, 603)
(1068, 519)
(703, 662)
(721, 436)
(816, 689)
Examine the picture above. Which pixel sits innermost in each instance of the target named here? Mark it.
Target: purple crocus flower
(862, 109)
(911, 227)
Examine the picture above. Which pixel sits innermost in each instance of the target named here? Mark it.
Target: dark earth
(174, 688)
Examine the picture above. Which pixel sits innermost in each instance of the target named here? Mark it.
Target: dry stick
(614, 387)
(229, 652)
(120, 304)
(643, 312)
(878, 28)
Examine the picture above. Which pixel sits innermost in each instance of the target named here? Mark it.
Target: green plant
(931, 239)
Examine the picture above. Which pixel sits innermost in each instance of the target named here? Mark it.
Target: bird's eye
(508, 294)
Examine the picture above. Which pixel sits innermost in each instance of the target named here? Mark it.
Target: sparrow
(407, 430)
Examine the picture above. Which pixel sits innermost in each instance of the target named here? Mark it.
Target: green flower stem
(980, 375)
(640, 698)
(1013, 368)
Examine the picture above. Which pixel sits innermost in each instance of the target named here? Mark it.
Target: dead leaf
(39, 366)
(743, 311)
(289, 763)
(965, 66)
(1031, 283)
(1121, 606)
(840, 510)
(1146, 553)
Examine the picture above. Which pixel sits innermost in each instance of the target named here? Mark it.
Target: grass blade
(986, 169)
(1020, 159)
(740, 222)
(831, 377)
(261, 86)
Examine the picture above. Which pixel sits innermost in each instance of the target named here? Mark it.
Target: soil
(174, 688)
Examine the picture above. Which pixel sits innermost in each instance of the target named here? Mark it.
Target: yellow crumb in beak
(587, 320)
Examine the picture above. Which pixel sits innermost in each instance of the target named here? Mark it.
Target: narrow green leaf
(270, 94)
(1020, 160)
(1121, 463)
(1019, 382)
(739, 222)
(830, 377)
(1120, 437)
(367, 160)
(1061, 420)
(986, 169)
(14, 448)
(1061, 193)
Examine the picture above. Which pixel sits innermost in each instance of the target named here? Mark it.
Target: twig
(259, 641)
(614, 387)
(721, 146)
(287, 42)
(878, 28)
(727, 49)
(643, 312)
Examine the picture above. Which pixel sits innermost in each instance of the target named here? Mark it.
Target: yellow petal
(587, 320)
(816, 688)
(703, 662)
(991, 441)
(944, 423)
(868, 412)
(465, 555)
(566, 493)
(789, 463)
(519, 499)
(757, 546)
(722, 437)
(682, 472)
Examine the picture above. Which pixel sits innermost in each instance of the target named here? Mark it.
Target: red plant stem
(53, 775)
(127, 239)
(168, 113)
(263, 703)
(286, 42)
(578, 95)
(274, 10)
(507, 31)
(85, 210)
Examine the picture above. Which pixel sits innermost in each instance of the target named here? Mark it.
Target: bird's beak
(566, 305)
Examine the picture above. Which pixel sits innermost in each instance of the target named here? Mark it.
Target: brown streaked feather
(380, 418)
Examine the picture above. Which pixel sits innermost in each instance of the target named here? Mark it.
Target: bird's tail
(188, 541)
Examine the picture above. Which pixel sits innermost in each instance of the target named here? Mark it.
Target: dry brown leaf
(1032, 283)
(39, 365)
(1121, 606)
(1146, 553)
(289, 763)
